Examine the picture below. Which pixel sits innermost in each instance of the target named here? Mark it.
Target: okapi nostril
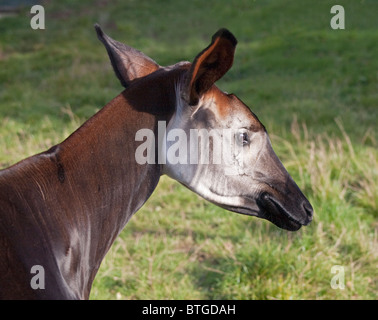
(308, 209)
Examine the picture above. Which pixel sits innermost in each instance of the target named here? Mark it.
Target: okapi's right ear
(210, 64)
(128, 63)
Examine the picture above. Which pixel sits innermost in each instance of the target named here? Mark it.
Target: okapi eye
(242, 138)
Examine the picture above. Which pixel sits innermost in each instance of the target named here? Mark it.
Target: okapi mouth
(268, 208)
(271, 209)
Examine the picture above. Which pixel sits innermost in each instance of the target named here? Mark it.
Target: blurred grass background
(314, 88)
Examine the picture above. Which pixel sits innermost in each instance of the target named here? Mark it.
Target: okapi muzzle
(280, 200)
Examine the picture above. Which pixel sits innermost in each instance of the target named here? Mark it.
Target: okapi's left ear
(128, 63)
(211, 64)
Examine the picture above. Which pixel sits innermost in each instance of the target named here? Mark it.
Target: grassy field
(314, 88)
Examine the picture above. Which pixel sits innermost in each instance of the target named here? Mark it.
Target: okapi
(63, 208)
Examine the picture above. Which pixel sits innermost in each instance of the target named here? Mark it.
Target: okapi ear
(211, 64)
(128, 63)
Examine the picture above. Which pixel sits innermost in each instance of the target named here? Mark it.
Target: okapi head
(214, 144)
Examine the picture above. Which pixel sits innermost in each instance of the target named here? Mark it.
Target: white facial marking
(222, 170)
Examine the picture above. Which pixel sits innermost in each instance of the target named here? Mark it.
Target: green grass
(314, 88)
